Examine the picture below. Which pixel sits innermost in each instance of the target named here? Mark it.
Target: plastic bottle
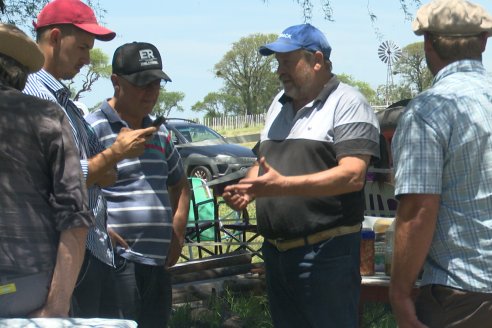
(388, 254)
(367, 252)
(380, 226)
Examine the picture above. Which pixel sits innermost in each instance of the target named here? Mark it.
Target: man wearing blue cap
(319, 137)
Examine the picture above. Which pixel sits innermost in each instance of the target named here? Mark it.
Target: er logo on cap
(146, 54)
(147, 57)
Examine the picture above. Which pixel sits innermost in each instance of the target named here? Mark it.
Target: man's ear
(55, 36)
(319, 59)
(484, 37)
(115, 82)
(428, 42)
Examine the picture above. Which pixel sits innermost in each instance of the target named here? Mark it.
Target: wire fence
(233, 122)
(245, 121)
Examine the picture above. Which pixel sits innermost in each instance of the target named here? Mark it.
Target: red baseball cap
(73, 12)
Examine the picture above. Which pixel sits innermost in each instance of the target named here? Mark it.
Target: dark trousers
(94, 294)
(440, 307)
(316, 285)
(144, 293)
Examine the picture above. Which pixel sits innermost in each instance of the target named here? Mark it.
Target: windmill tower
(389, 53)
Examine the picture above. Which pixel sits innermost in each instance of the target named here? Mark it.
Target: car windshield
(197, 133)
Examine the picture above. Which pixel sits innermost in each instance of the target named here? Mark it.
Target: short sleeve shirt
(139, 208)
(443, 146)
(338, 123)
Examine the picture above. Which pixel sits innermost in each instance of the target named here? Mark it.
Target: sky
(193, 35)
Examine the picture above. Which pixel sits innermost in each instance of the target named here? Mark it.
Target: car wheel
(201, 172)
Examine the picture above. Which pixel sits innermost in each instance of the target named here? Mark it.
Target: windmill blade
(389, 52)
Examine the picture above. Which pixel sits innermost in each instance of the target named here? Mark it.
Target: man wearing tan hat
(43, 211)
(66, 30)
(442, 152)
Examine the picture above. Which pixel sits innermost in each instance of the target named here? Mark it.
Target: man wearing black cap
(148, 205)
(442, 152)
(43, 201)
(319, 137)
(66, 30)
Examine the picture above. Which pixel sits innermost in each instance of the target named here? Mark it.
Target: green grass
(246, 310)
(378, 315)
(241, 131)
(250, 310)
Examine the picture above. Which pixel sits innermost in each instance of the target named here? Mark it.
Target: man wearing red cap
(66, 30)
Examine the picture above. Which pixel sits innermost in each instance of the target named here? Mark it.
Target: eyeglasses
(159, 83)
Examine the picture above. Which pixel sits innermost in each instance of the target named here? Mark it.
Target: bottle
(367, 252)
(380, 226)
(388, 253)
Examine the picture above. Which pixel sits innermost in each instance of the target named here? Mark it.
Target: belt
(285, 244)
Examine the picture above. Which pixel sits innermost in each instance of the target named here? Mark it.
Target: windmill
(389, 53)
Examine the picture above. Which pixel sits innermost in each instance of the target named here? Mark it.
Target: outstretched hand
(269, 184)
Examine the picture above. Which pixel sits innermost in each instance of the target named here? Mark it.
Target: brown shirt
(41, 186)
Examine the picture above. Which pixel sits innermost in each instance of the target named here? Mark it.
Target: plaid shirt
(443, 146)
(43, 85)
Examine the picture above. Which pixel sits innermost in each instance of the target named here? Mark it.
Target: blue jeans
(316, 285)
(143, 293)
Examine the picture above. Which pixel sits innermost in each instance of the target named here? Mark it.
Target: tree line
(250, 81)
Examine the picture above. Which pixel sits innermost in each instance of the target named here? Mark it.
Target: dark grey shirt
(41, 186)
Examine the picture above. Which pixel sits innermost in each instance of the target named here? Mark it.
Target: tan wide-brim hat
(17, 45)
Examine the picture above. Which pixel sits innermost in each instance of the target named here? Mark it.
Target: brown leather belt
(285, 244)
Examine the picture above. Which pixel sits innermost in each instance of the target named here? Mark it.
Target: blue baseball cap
(304, 36)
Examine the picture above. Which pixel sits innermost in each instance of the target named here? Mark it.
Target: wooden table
(375, 288)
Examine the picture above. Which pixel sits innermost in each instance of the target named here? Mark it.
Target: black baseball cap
(138, 62)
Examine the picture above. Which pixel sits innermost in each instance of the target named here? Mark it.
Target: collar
(113, 116)
(466, 65)
(55, 86)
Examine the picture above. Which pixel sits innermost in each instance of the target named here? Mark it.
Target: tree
(412, 67)
(396, 92)
(248, 75)
(23, 12)
(363, 87)
(99, 67)
(168, 101)
(216, 104)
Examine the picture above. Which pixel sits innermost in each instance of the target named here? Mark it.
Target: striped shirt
(139, 208)
(443, 146)
(43, 85)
